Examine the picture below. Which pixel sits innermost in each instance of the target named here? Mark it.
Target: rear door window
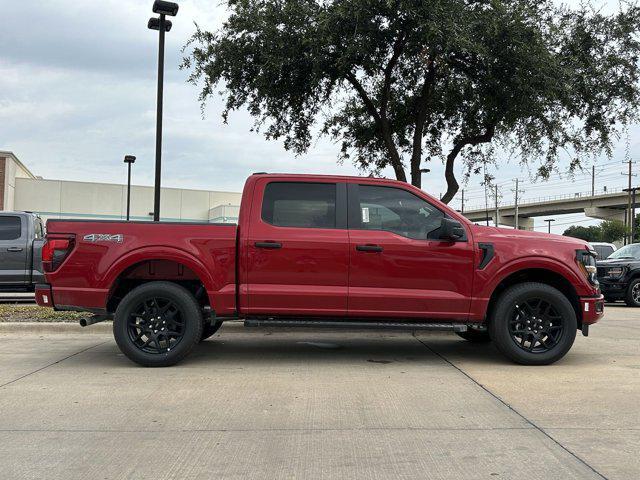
(9, 228)
(300, 204)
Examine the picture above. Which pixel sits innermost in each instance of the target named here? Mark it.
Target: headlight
(615, 272)
(587, 261)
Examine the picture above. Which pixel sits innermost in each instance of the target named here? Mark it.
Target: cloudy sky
(77, 93)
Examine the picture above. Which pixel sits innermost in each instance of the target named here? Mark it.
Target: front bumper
(613, 288)
(592, 309)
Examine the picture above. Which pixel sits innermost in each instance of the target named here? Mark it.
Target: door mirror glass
(451, 230)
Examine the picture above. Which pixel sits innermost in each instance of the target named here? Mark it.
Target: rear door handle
(272, 245)
(15, 249)
(369, 248)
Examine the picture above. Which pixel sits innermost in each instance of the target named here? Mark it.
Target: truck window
(398, 211)
(39, 231)
(300, 204)
(9, 228)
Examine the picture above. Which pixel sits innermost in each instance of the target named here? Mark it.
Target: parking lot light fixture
(162, 25)
(129, 159)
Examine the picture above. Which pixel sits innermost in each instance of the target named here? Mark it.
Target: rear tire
(533, 324)
(632, 297)
(157, 324)
(474, 335)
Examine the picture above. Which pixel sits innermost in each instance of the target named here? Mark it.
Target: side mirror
(451, 230)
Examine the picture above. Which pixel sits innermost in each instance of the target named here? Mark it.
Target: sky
(78, 92)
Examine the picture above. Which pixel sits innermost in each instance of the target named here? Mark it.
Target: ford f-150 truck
(21, 238)
(324, 251)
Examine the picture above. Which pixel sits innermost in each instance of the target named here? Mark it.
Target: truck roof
(328, 177)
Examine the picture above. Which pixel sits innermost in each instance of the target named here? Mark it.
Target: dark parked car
(619, 275)
(21, 239)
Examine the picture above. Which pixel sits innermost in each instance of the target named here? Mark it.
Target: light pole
(162, 25)
(129, 159)
(549, 220)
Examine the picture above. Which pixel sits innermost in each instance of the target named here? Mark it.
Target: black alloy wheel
(158, 324)
(533, 323)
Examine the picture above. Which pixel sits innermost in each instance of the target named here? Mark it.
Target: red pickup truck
(330, 251)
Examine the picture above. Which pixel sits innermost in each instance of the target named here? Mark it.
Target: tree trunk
(459, 144)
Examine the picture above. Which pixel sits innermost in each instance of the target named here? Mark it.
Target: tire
(632, 297)
(210, 328)
(533, 324)
(474, 335)
(146, 313)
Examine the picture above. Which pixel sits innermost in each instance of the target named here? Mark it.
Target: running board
(449, 327)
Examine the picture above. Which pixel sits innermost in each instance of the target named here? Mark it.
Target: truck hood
(618, 262)
(535, 240)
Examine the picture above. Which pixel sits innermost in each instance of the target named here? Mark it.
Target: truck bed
(108, 256)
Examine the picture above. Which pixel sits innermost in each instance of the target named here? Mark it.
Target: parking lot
(320, 404)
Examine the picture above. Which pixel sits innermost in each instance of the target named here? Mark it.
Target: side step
(268, 322)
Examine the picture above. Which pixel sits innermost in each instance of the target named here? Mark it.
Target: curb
(55, 327)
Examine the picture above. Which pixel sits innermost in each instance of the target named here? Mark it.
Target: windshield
(628, 251)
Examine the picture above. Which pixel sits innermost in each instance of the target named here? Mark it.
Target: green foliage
(611, 231)
(608, 231)
(398, 81)
(590, 234)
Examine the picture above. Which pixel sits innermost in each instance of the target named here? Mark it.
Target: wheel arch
(154, 264)
(540, 275)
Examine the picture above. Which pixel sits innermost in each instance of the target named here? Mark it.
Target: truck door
(399, 267)
(13, 250)
(297, 249)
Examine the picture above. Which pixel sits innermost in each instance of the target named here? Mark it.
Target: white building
(21, 190)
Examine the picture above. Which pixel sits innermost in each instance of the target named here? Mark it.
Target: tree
(607, 231)
(396, 82)
(612, 231)
(589, 234)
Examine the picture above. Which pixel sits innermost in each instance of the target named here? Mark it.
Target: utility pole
(632, 192)
(497, 219)
(628, 220)
(593, 181)
(486, 197)
(462, 210)
(517, 192)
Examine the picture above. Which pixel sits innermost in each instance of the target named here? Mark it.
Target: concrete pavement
(319, 404)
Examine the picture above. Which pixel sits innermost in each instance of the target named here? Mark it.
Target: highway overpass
(602, 205)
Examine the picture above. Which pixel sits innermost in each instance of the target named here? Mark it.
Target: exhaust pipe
(85, 322)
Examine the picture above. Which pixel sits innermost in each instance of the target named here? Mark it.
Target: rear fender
(159, 253)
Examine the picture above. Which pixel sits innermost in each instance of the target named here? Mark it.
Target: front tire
(475, 335)
(157, 324)
(210, 329)
(533, 324)
(632, 297)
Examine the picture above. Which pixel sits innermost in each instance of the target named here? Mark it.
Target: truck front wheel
(157, 324)
(533, 324)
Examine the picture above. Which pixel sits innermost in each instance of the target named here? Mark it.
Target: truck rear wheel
(533, 324)
(157, 324)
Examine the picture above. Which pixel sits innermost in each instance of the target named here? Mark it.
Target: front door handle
(15, 249)
(369, 248)
(272, 245)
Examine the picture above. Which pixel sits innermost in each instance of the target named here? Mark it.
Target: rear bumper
(44, 295)
(592, 309)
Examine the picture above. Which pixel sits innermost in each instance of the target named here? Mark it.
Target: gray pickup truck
(21, 239)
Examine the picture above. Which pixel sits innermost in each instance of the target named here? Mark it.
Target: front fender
(487, 280)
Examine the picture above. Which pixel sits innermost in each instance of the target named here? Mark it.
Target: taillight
(54, 251)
